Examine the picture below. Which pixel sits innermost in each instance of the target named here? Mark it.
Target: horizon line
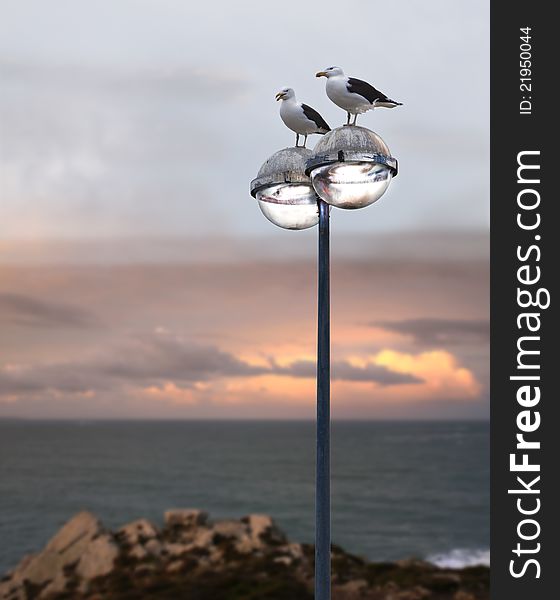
(239, 420)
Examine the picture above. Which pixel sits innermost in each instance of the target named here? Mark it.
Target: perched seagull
(353, 95)
(299, 117)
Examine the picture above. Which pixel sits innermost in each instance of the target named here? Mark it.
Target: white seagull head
(285, 94)
(330, 72)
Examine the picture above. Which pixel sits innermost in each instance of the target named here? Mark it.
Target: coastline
(399, 489)
(192, 557)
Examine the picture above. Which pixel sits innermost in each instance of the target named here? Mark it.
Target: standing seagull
(353, 95)
(299, 117)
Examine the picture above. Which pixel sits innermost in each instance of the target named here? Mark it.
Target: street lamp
(351, 167)
(284, 192)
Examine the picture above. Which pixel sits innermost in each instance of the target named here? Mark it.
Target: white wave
(460, 557)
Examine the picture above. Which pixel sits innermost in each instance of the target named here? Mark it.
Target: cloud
(171, 392)
(443, 376)
(90, 149)
(344, 370)
(434, 379)
(28, 311)
(192, 83)
(96, 134)
(435, 332)
(148, 360)
(269, 311)
(44, 379)
(159, 357)
(166, 366)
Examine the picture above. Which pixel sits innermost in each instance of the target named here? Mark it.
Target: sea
(399, 489)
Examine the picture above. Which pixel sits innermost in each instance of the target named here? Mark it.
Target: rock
(11, 585)
(175, 567)
(21, 566)
(202, 538)
(138, 552)
(145, 569)
(72, 541)
(185, 517)
(9, 591)
(390, 588)
(63, 550)
(216, 557)
(57, 585)
(294, 550)
(235, 532)
(153, 547)
(352, 590)
(83, 526)
(288, 554)
(141, 538)
(446, 580)
(68, 546)
(416, 593)
(137, 532)
(82, 562)
(41, 568)
(253, 533)
(98, 558)
(264, 530)
(461, 595)
(173, 550)
(230, 529)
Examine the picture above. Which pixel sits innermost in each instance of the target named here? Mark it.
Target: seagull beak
(279, 96)
(320, 74)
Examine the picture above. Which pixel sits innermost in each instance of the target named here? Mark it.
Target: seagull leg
(305, 141)
(355, 118)
(348, 118)
(297, 139)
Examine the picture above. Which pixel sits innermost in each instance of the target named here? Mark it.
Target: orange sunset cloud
(153, 340)
(171, 393)
(435, 374)
(442, 375)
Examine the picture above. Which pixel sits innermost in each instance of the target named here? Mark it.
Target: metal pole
(322, 495)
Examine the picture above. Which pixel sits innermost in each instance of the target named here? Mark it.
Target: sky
(138, 278)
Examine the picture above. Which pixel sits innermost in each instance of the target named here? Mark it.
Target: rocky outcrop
(191, 557)
(185, 517)
(81, 546)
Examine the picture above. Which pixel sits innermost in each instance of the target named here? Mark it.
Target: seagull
(299, 117)
(353, 95)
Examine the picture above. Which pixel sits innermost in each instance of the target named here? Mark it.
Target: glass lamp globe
(289, 205)
(284, 192)
(351, 185)
(351, 167)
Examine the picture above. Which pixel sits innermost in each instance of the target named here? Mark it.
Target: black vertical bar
(322, 498)
(524, 240)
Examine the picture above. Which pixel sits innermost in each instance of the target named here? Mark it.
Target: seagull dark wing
(364, 89)
(314, 116)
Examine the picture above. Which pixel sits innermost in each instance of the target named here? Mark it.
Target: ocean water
(398, 489)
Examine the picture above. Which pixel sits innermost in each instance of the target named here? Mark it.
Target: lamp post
(351, 167)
